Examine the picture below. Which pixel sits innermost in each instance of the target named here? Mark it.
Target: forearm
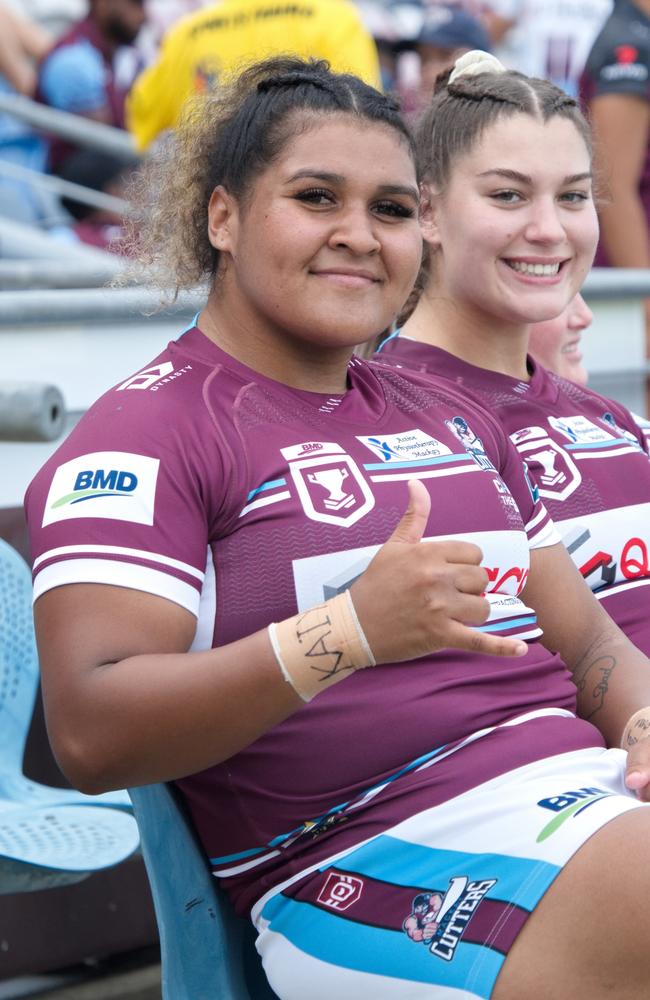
(126, 704)
(612, 678)
(21, 41)
(611, 675)
(14, 65)
(156, 717)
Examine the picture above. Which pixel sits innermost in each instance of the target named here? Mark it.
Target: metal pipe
(19, 241)
(95, 306)
(30, 411)
(32, 274)
(65, 189)
(77, 129)
(107, 305)
(617, 283)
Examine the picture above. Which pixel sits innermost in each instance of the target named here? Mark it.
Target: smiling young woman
(233, 591)
(510, 226)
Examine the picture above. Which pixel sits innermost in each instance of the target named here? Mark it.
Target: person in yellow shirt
(210, 44)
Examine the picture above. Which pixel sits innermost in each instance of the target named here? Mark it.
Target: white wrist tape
(321, 646)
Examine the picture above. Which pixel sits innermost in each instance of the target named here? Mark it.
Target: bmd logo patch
(108, 484)
(93, 483)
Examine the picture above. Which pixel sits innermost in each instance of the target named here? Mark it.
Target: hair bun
(475, 62)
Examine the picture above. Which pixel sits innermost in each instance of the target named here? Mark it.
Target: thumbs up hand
(418, 597)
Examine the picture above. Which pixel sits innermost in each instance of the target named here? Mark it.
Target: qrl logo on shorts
(340, 891)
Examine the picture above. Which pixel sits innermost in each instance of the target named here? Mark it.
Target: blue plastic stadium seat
(43, 847)
(48, 836)
(18, 686)
(207, 951)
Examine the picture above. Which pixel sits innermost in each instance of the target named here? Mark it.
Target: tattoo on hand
(639, 731)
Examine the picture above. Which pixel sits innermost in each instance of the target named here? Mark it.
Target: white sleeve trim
(116, 574)
(549, 535)
(118, 550)
(541, 514)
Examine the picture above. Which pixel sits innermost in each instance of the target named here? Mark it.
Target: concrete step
(135, 984)
(140, 984)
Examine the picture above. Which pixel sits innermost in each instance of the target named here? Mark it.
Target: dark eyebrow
(406, 189)
(514, 175)
(329, 178)
(320, 175)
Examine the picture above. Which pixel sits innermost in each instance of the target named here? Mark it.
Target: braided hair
(229, 137)
(465, 103)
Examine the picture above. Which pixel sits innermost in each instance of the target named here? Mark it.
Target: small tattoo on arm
(592, 683)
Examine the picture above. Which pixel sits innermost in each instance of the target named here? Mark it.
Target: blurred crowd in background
(132, 64)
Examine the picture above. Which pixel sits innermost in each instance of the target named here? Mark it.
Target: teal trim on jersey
(578, 446)
(419, 462)
(377, 951)
(270, 485)
(384, 342)
(239, 856)
(191, 325)
(509, 623)
(390, 859)
(310, 825)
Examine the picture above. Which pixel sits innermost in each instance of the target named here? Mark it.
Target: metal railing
(75, 128)
(22, 275)
(55, 305)
(48, 307)
(617, 283)
(19, 241)
(64, 189)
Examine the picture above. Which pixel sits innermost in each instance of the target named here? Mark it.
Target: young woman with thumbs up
(310, 590)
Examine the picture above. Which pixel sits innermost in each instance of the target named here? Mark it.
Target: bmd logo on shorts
(110, 484)
(566, 805)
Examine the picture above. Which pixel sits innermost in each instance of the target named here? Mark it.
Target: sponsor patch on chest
(410, 445)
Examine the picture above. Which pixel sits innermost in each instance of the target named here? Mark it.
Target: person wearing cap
(447, 32)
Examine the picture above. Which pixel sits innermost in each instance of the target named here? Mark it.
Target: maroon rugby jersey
(588, 457)
(243, 500)
(619, 63)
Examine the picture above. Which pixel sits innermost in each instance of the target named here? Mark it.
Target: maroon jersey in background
(586, 454)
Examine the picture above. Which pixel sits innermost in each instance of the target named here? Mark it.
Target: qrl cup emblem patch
(552, 469)
(329, 483)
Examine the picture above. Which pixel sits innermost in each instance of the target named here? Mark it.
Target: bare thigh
(589, 936)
